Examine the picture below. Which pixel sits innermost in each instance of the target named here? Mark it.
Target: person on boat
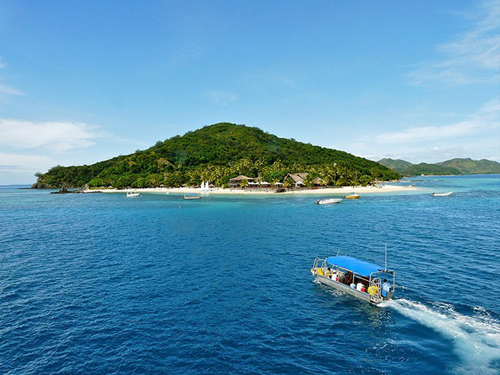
(373, 290)
(333, 275)
(348, 278)
(386, 288)
(340, 276)
(366, 284)
(328, 273)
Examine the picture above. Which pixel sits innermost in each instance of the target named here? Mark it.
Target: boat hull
(442, 194)
(328, 201)
(353, 292)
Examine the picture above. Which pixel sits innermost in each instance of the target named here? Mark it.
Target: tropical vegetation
(217, 153)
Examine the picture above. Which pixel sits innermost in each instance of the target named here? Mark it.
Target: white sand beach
(256, 191)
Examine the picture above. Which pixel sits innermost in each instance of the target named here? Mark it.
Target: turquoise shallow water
(99, 283)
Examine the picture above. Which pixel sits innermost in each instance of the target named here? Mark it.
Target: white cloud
(486, 119)
(477, 136)
(8, 90)
(222, 97)
(54, 136)
(20, 168)
(473, 57)
(23, 162)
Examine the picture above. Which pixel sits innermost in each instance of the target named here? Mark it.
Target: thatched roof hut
(318, 181)
(297, 178)
(241, 178)
(236, 181)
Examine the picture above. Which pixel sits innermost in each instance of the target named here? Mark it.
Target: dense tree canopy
(217, 153)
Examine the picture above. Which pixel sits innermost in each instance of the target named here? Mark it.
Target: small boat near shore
(352, 196)
(442, 194)
(366, 281)
(132, 194)
(329, 201)
(189, 197)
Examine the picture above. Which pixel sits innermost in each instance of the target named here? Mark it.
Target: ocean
(102, 284)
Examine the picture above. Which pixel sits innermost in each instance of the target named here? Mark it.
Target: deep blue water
(102, 284)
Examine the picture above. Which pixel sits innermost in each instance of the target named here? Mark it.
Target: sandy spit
(326, 191)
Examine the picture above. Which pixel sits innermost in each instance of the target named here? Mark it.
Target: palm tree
(288, 183)
(260, 178)
(324, 181)
(277, 166)
(309, 180)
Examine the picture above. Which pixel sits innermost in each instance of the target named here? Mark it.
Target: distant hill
(469, 166)
(449, 167)
(217, 153)
(434, 169)
(396, 165)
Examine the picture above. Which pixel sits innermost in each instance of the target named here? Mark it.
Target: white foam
(476, 339)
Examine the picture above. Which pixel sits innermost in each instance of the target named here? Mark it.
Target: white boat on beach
(356, 277)
(328, 201)
(205, 187)
(442, 194)
(132, 194)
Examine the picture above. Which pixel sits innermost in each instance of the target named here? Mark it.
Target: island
(224, 156)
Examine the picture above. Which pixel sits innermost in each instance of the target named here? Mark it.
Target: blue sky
(83, 81)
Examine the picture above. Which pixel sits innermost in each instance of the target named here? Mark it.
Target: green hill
(449, 167)
(469, 166)
(216, 153)
(396, 165)
(433, 169)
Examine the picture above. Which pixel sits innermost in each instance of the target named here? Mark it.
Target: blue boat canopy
(359, 266)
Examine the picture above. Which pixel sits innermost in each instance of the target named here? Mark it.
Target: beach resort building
(300, 178)
(297, 178)
(236, 181)
(318, 182)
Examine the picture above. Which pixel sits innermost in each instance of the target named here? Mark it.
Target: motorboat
(366, 281)
(133, 194)
(352, 196)
(442, 194)
(328, 201)
(192, 196)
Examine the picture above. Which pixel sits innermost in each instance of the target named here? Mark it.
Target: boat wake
(476, 339)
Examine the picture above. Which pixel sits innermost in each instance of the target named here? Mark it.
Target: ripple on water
(102, 284)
